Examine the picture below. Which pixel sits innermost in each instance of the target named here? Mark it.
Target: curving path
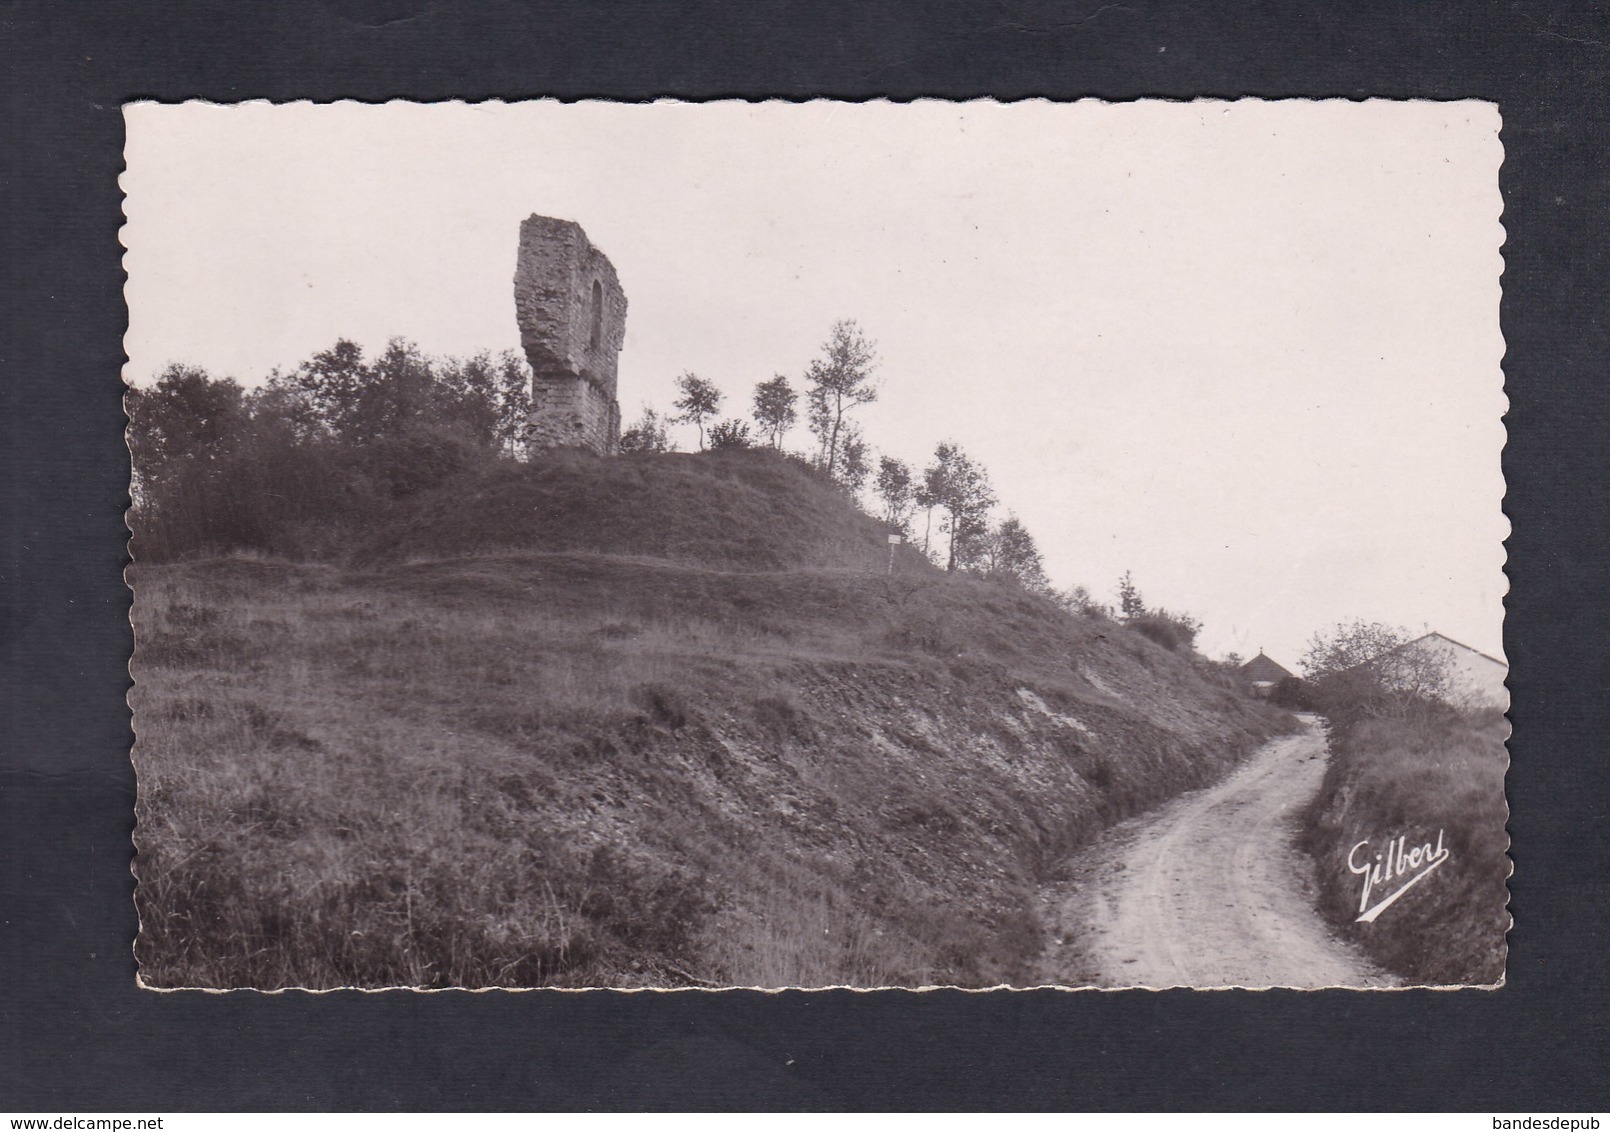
(1207, 891)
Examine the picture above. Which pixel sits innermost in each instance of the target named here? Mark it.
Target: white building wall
(1475, 680)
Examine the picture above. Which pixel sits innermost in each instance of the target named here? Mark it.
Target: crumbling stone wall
(572, 315)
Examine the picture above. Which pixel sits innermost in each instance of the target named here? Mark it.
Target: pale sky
(1249, 350)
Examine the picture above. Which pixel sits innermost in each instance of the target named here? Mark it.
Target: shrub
(417, 460)
(1078, 599)
(1293, 694)
(1174, 631)
(647, 434)
(729, 434)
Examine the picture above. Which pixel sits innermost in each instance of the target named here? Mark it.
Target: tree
(186, 415)
(466, 395)
(855, 459)
(646, 434)
(926, 495)
(731, 433)
(403, 383)
(336, 383)
(697, 401)
(513, 401)
(1373, 669)
(1348, 646)
(198, 471)
(282, 401)
(774, 409)
(896, 487)
(1130, 603)
(1233, 660)
(1010, 552)
(180, 431)
(361, 402)
(962, 489)
(840, 381)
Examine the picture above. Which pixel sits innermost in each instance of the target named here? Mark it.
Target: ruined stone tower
(572, 315)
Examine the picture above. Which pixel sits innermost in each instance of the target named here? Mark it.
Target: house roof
(1261, 668)
(1422, 639)
(1448, 640)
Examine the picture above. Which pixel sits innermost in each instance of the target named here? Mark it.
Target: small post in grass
(894, 541)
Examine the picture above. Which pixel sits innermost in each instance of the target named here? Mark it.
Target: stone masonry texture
(572, 315)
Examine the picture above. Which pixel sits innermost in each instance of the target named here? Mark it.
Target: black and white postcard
(677, 546)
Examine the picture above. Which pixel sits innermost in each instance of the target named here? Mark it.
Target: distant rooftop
(1260, 668)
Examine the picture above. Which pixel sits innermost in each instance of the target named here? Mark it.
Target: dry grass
(1414, 774)
(714, 744)
(540, 770)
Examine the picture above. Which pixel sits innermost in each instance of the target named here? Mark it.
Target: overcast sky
(1248, 350)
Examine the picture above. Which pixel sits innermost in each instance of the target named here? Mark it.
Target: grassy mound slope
(748, 509)
(1434, 769)
(569, 767)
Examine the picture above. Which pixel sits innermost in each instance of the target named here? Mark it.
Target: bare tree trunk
(833, 439)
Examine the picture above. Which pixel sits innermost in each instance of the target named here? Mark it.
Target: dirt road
(1208, 891)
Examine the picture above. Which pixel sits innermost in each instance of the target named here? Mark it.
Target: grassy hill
(651, 721)
(749, 509)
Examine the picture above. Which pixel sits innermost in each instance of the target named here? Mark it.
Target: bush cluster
(299, 465)
(1174, 631)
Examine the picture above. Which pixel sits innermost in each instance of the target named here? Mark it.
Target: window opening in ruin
(598, 314)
